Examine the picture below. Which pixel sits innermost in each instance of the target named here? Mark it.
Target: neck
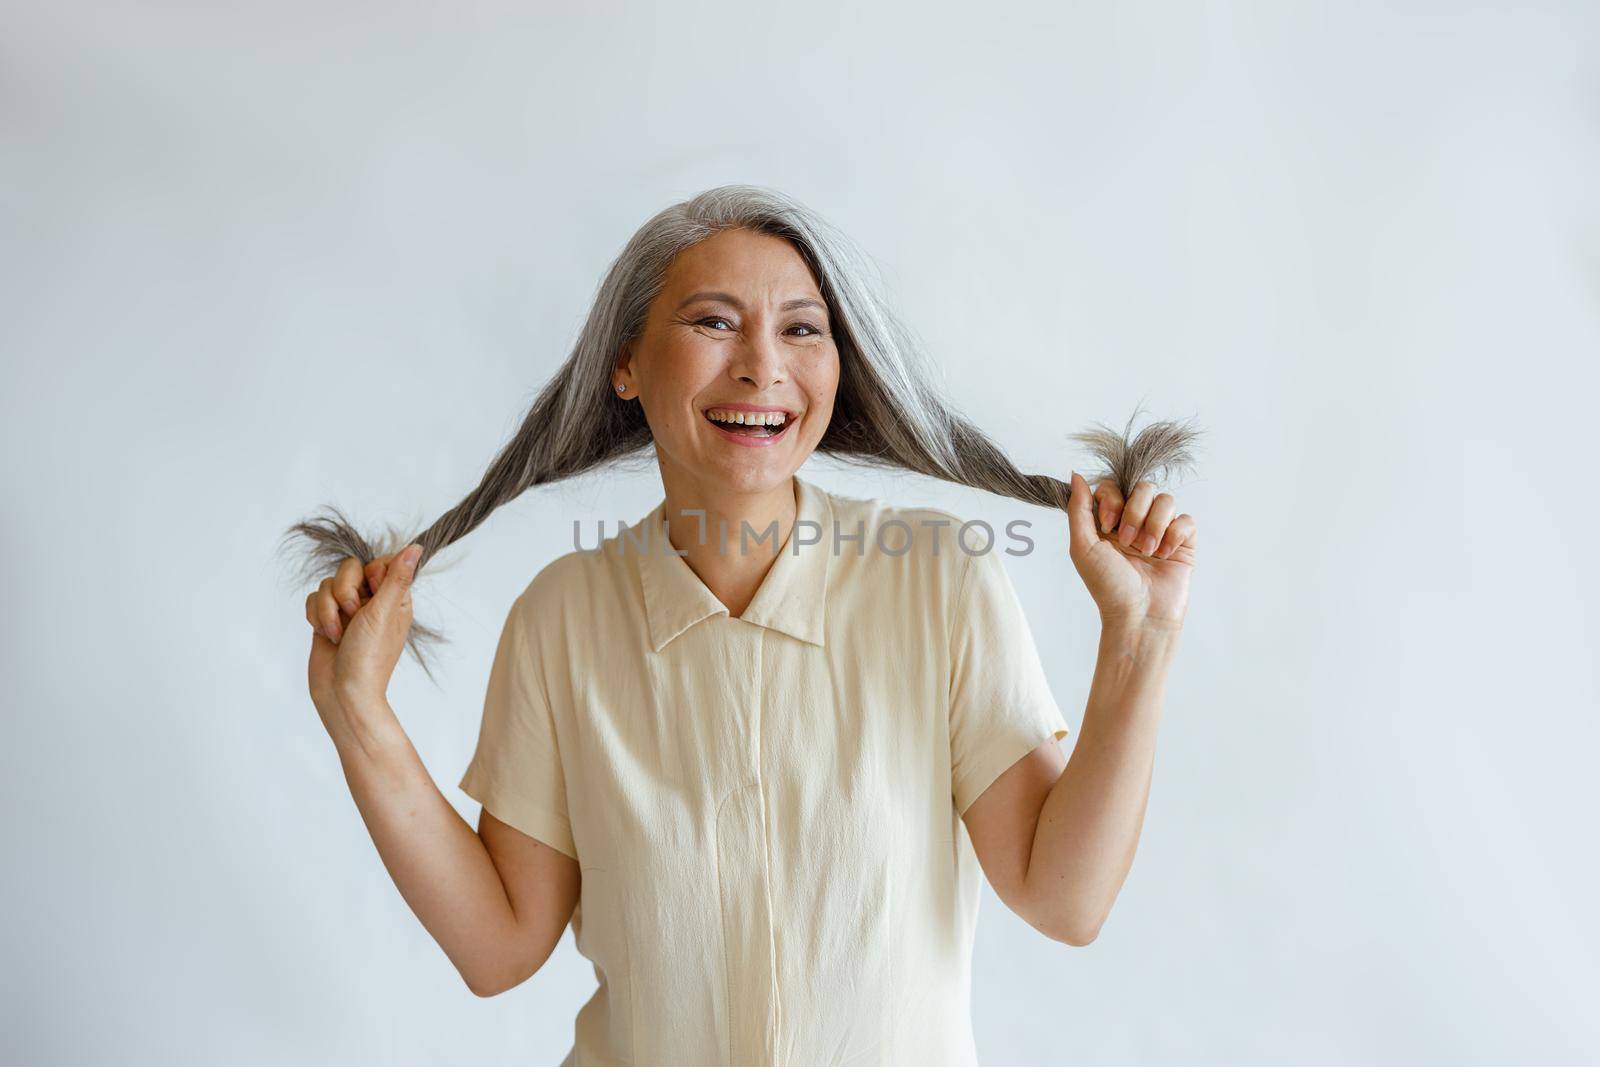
(705, 522)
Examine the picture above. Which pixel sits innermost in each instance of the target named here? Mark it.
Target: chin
(754, 477)
(759, 480)
(738, 470)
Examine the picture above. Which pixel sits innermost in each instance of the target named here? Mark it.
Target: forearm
(436, 859)
(1089, 825)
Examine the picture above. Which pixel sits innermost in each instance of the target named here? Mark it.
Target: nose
(759, 361)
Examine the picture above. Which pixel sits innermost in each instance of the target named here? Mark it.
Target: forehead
(741, 261)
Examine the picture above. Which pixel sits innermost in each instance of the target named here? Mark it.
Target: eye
(712, 318)
(814, 331)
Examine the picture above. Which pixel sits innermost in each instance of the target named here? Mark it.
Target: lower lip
(752, 442)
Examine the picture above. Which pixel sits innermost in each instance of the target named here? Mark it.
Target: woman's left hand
(1135, 555)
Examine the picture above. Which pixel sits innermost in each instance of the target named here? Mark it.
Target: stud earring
(621, 388)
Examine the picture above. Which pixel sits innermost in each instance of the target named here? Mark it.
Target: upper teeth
(748, 418)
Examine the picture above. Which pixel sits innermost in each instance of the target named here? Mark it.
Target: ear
(622, 370)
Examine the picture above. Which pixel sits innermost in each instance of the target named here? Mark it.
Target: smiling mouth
(749, 423)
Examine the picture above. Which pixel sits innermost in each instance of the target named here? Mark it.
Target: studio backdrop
(258, 258)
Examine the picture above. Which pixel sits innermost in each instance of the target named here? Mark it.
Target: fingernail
(349, 606)
(411, 553)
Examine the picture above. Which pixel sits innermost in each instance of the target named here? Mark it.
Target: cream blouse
(767, 809)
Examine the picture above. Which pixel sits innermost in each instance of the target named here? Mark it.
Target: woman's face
(739, 325)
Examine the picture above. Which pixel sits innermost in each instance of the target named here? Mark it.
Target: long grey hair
(887, 411)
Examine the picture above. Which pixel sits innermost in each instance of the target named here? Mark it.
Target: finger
(311, 612)
(347, 584)
(1080, 515)
(1134, 511)
(1155, 523)
(395, 592)
(375, 572)
(1109, 498)
(1180, 534)
(327, 611)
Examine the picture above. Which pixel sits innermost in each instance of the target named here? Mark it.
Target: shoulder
(931, 537)
(876, 510)
(933, 558)
(906, 558)
(571, 585)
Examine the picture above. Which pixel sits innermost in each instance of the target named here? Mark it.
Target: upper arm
(542, 885)
(1000, 704)
(1005, 728)
(516, 773)
(1003, 820)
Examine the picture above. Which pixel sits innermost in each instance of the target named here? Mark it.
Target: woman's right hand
(360, 620)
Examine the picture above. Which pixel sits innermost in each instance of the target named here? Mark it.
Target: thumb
(1080, 516)
(397, 581)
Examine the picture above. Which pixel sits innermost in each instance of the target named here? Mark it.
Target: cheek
(822, 385)
(681, 372)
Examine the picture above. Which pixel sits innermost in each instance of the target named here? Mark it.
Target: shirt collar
(792, 597)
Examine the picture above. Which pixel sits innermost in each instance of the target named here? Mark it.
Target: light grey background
(261, 257)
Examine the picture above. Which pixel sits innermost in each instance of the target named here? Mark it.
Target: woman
(757, 746)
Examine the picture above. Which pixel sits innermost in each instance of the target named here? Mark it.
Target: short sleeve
(1001, 707)
(516, 772)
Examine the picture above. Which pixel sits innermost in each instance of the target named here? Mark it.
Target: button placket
(744, 880)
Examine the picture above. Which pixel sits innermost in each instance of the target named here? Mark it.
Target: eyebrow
(729, 298)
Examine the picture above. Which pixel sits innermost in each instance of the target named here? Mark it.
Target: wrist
(1135, 624)
(361, 699)
(1139, 638)
(368, 726)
